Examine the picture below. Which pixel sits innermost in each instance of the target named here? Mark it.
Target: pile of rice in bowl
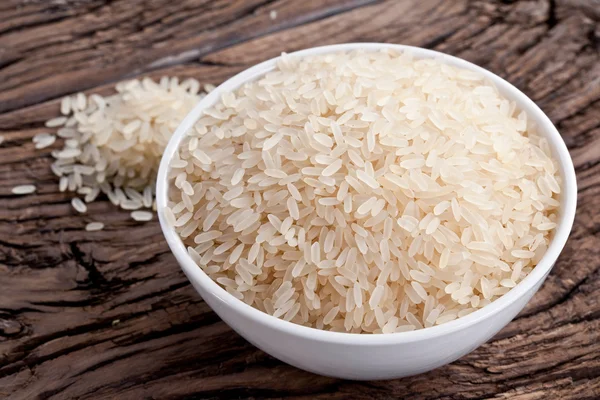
(365, 192)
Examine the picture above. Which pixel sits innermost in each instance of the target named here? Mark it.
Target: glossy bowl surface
(363, 356)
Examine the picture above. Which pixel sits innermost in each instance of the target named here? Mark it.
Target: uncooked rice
(54, 122)
(23, 189)
(365, 192)
(141, 215)
(94, 226)
(43, 140)
(78, 205)
(113, 144)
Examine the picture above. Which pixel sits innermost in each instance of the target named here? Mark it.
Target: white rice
(94, 226)
(114, 144)
(65, 106)
(43, 140)
(141, 215)
(78, 205)
(365, 192)
(23, 189)
(54, 122)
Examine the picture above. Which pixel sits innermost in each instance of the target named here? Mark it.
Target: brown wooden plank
(109, 314)
(102, 41)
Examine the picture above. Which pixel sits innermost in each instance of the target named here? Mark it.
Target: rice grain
(23, 189)
(94, 226)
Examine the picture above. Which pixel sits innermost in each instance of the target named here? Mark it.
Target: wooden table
(108, 314)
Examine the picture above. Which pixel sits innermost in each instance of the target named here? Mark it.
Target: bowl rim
(545, 127)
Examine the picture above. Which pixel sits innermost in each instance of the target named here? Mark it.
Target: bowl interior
(568, 200)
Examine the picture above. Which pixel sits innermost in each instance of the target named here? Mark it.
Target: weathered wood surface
(109, 314)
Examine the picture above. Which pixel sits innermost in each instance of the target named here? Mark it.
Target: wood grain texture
(105, 315)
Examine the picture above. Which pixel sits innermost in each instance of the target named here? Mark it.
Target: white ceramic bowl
(366, 357)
